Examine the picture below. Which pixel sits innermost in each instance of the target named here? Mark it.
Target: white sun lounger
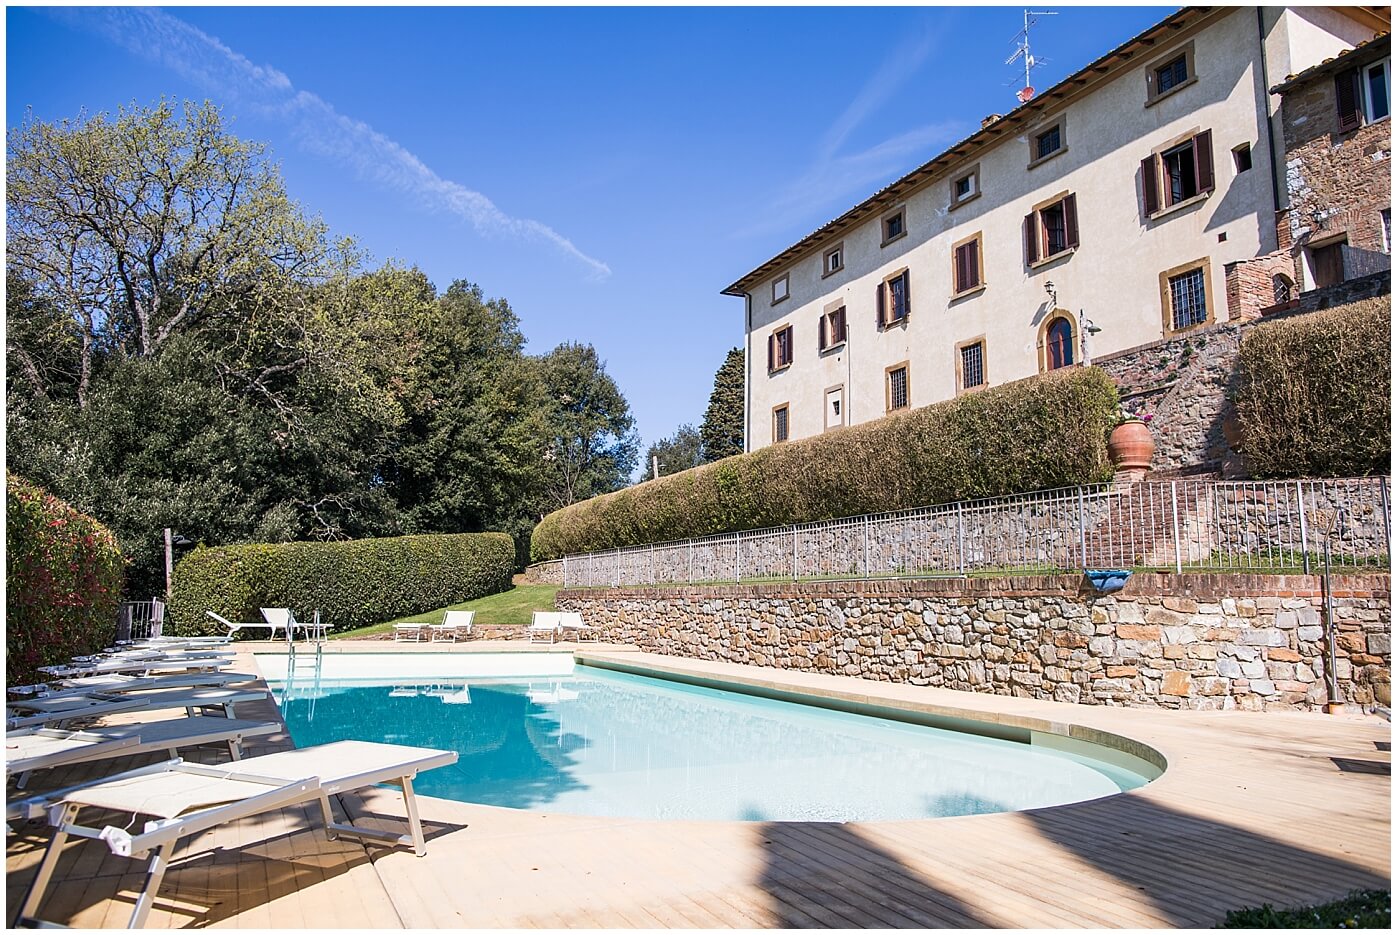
(55, 709)
(545, 624)
(187, 799)
(573, 621)
(27, 751)
(135, 683)
(139, 666)
(267, 625)
(455, 623)
(171, 736)
(408, 631)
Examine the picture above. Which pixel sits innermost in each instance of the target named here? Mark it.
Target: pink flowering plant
(63, 574)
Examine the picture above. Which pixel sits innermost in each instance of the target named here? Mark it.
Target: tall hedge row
(353, 584)
(1049, 431)
(63, 579)
(1314, 393)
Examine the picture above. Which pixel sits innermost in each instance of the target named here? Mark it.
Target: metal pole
(795, 554)
(691, 561)
(1082, 527)
(566, 582)
(1335, 704)
(652, 563)
(866, 571)
(169, 561)
(1304, 538)
(1386, 520)
(960, 537)
(737, 556)
(618, 567)
(1174, 506)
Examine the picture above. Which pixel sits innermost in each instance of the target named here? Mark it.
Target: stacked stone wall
(1209, 641)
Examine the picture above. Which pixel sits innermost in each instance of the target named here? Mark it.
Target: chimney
(992, 118)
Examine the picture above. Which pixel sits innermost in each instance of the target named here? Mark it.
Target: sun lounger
(573, 621)
(170, 736)
(56, 709)
(282, 616)
(31, 750)
(135, 683)
(454, 623)
(187, 799)
(139, 666)
(545, 624)
(408, 631)
(234, 628)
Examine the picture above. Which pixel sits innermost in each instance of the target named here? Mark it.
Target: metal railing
(1194, 525)
(139, 620)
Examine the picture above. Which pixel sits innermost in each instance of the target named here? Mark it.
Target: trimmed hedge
(1048, 431)
(1314, 393)
(354, 584)
(63, 578)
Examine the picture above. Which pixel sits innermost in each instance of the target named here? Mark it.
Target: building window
(894, 226)
(834, 259)
(898, 391)
(970, 365)
(1282, 289)
(966, 186)
(1180, 172)
(1241, 158)
(779, 349)
(965, 265)
(1057, 350)
(834, 407)
(781, 289)
(1165, 77)
(1047, 143)
(894, 299)
(834, 328)
(1377, 91)
(1385, 215)
(781, 423)
(1051, 229)
(1184, 291)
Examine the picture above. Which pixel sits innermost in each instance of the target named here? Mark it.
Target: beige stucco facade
(1114, 277)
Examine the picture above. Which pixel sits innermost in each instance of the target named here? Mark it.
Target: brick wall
(1252, 642)
(1337, 182)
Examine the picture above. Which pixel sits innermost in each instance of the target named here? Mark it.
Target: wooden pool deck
(1285, 808)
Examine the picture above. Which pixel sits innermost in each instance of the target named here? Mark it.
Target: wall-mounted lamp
(1052, 292)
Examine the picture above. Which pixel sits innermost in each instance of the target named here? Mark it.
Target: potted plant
(1131, 446)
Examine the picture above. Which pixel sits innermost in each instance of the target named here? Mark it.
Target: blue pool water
(598, 742)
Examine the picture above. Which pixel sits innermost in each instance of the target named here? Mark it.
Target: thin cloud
(315, 123)
(833, 176)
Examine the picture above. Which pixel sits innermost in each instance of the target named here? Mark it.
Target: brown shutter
(1069, 220)
(790, 344)
(882, 311)
(972, 264)
(1030, 238)
(1203, 160)
(770, 352)
(1149, 184)
(907, 294)
(824, 331)
(842, 329)
(1349, 100)
(959, 271)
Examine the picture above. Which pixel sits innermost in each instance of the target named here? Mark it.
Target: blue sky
(607, 171)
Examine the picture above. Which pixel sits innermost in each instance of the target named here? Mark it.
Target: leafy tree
(679, 452)
(591, 446)
(722, 429)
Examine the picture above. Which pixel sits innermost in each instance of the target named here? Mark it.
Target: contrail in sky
(204, 60)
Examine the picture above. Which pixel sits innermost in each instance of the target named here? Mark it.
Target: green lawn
(508, 608)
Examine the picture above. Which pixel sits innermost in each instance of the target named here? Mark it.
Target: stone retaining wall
(1202, 641)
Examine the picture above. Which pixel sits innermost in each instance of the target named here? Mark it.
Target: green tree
(591, 446)
(679, 452)
(722, 429)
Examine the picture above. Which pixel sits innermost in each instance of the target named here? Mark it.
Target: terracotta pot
(1131, 446)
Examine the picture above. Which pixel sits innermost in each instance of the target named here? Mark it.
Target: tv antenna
(1030, 17)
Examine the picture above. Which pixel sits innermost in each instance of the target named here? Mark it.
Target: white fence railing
(139, 620)
(1196, 525)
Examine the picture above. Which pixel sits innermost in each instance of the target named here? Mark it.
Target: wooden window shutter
(770, 352)
(1203, 160)
(1030, 238)
(1149, 184)
(972, 264)
(841, 331)
(1069, 220)
(960, 269)
(906, 293)
(882, 306)
(824, 331)
(1349, 99)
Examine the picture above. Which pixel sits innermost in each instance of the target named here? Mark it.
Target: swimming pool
(591, 741)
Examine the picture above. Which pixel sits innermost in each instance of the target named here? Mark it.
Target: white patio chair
(453, 623)
(186, 799)
(283, 617)
(408, 631)
(569, 620)
(545, 624)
